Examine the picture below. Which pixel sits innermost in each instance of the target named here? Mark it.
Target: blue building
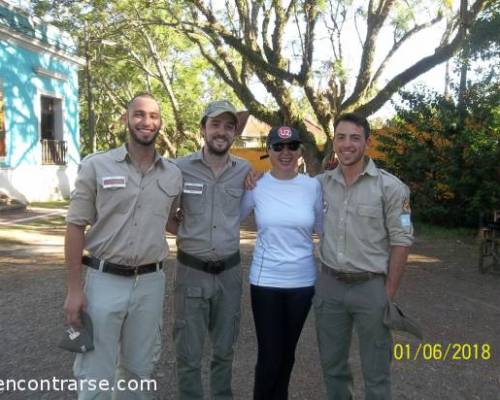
(39, 136)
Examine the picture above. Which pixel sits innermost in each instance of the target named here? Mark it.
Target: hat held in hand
(79, 340)
(395, 319)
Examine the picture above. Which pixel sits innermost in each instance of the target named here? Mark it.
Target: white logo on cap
(284, 132)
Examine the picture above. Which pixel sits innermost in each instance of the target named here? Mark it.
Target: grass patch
(428, 231)
(50, 204)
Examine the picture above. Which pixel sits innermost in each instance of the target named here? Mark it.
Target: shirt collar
(121, 154)
(198, 155)
(369, 169)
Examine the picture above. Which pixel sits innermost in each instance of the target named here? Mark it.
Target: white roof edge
(36, 44)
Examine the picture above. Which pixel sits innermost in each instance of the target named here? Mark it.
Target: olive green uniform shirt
(364, 220)
(127, 210)
(210, 229)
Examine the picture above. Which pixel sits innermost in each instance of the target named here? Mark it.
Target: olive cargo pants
(338, 307)
(204, 303)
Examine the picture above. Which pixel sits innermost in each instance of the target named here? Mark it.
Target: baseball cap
(282, 134)
(216, 108)
(79, 340)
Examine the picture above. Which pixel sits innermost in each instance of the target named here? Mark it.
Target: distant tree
(125, 56)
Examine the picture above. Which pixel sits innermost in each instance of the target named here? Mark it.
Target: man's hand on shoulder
(251, 179)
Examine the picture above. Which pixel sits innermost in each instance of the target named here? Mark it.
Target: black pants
(279, 315)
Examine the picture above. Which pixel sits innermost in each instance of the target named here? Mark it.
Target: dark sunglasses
(292, 146)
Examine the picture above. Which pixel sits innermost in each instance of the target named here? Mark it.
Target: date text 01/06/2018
(442, 352)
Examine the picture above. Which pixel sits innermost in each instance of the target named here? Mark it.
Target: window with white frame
(51, 118)
(51, 131)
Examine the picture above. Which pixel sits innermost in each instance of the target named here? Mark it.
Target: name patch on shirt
(114, 182)
(193, 188)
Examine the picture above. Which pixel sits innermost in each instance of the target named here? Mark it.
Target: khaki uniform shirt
(127, 210)
(363, 220)
(210, 229)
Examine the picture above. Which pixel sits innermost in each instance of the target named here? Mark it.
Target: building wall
(253, 157)
(22, 88)
(26, 73)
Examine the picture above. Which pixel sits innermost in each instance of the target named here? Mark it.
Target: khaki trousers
(126, 313)
(206, 303)
(338, 308)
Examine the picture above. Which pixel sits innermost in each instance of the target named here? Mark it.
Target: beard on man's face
(217, 149)
(137, 139)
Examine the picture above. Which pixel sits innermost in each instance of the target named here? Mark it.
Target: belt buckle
(360, 277)
(215, 267)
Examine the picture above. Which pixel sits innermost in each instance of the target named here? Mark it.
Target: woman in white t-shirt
(288, 208)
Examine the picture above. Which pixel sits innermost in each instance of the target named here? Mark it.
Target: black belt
(350, 277)
(212, 267)
(118, 269)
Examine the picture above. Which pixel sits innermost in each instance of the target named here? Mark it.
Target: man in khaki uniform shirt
(365, 245)
(208, 274)
(125, 195)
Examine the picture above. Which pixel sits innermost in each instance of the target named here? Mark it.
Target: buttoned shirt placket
(342, 235)
(216, 181)
(140, 182)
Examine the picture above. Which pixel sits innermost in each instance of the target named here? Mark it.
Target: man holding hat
(208, 275)
(363, 251)
(124, 196)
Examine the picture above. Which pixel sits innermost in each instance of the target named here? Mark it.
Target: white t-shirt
(286, 212)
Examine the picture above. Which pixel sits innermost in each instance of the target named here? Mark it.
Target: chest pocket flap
(168, 188)
(370, 211)
(164, 197)
(232, 198)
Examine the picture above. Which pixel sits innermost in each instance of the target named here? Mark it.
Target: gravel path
(442, 289)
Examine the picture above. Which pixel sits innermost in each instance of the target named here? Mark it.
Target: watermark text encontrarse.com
(55, 384)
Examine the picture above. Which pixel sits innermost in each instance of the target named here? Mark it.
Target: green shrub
(450, 161)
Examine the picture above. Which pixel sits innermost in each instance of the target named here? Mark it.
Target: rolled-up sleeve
(82, 209)
(398, 216)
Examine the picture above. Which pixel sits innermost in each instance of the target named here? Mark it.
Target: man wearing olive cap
(208, 275)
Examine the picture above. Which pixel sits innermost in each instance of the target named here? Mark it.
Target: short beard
(141, 142)
(217, 152)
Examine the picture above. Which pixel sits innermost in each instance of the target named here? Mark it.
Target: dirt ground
(442, 289)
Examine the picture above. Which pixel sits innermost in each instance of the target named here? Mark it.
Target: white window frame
(59, 115)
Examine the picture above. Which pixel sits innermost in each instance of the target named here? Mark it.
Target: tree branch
(375, 22)
(441, 54)
(398, 44)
